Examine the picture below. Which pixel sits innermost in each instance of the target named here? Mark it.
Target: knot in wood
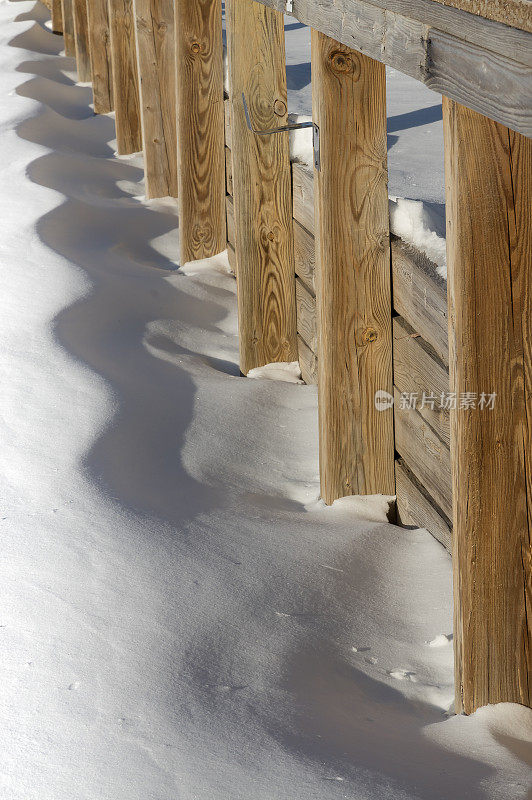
(343, 63)
(279, 108)
(195, 47)
(370, 335)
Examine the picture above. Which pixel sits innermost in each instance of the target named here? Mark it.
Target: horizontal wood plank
(303, 196)
(512, 12)
(304, 257)
(420, 296)
(230, 214)
(415, 507)
(426, 454)
(419, 372)
(306, 316)
(308, 362)
(428, 54)
(228, 171)
(499, 38)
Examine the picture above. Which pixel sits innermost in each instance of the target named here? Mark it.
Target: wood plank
(489, 242)
(464, 71)
(230, 211)
(200, 128)
(262, 187)
(420, 296)
(227, 124)
(228, 171)
(231, 255)
(418, 371)
(516, 13)
(125, 76)
(308, 362)
(81, 39)
(68, 28)
(304, 257)
(155, 39)
(492, 35)
(100, 52)
(487, 82)
(425, 453)
(353, 278)
(57, 16)
(303, 196)
(306, 316)
(415, 507)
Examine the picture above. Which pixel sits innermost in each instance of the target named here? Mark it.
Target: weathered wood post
(489, 253)
(57, 16)
(100, 53)
(261, 186)
(157, 84)
(200, 128)
(125, 76)
(353, 272)
(68, 27)
(81, 39)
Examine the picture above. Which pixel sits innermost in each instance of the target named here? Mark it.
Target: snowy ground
(181, 617)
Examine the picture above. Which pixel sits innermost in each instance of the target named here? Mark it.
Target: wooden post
(57, 17)
(81, 38)
(125, 76)
(488, 176)
(157, 75)
(68, 28)
(353, 279)
(200, 128)
(100, 51)
(261, 187)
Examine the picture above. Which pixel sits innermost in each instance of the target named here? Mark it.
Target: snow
(421, 225)
(217, 263)
(181, 616)
(287, 371)
(415, 147)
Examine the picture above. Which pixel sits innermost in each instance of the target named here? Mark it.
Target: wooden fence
(373, 317)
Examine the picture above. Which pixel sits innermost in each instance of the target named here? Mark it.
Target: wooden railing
(166, 62)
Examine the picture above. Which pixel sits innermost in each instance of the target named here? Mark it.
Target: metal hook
(290, 127)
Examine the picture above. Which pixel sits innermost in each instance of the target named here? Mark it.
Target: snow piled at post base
(180, 616)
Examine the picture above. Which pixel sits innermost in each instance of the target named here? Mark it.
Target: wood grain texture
(425, 453)
(125, 76)
(57, 16)
(230, 212)
(305, 257)
(516, 13)
(155, 24)
(81, 39)
(353, 277)
(415, 507)
(228, 171)
(227, 123)
(261, 186)
(306, 316)
(303, 196)
(463, 69)
(417, 370)
(100, 52)
(308, 362)
(420, 296)
(489, 245)
(200, 128)
(68, 27)
(492, 35)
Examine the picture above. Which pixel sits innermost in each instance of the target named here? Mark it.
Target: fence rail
(319, 277)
